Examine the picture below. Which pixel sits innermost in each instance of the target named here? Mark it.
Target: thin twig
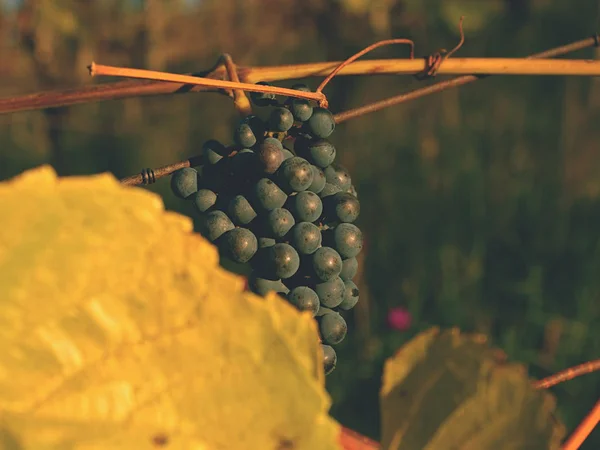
(370, 48)
(241, 102)
(127, 89)
(568, 374)
(584, 429)
(112, 71)
(455, 82)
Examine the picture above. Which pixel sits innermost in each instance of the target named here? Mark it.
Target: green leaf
(119, 330)
(446, 390)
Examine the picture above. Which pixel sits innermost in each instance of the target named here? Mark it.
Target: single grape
(278, 222)
(350, 296)
(295, 174)
(213, 151)
(244, 136)
(283, 260)
(333, 328)
(269, 155)
(331, 293)
(342, 207)
(184, 182)
(244, 163)
(328, 190)
(212, 176)
(264, 242)
(305, 299)
(346, 238)
(263, 98)
(352, 190)
(306, 206)
(318, 180)
(301, 109)
(281, 119)
(287, 154)
(267, 195)
(321, 124)
(240, 211)
(349, 269)
(338, 176)
(216, 223)
(262, 286)
(301, 87)
(204, 199)
(324, 310)
(329, 358)
(319, 152)
(305, 237)
(327, 263)
(239, 244)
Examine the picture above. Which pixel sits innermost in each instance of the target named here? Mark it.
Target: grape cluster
(277, 200)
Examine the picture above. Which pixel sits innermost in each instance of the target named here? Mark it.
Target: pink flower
(399, 319)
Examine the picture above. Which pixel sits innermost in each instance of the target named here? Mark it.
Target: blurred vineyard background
(481, 205)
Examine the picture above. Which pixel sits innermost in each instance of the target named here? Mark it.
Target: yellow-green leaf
(446, 390)
(118, 330)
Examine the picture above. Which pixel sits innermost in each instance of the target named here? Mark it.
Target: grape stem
(141, 88)
(241, 102)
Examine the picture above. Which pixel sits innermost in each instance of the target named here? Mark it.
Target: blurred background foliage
(481, 205)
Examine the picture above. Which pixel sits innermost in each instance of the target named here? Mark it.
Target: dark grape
(318, 180)
(278, 222)
(305, 299)
(212, 176)
(329, 189)
(342, 207)
(349, 269)
(262, 286)
(329, 358)
(270, 155)
(263, 98)
(301, 109)
(216, 223)
(333, 328)
(213, 151)
(301, 87)
(295, 174)
(184, 182)
(267, 195)
(283, 260)
(204, 199)
(324, 310)
(287, 154)
(239, 244)
(244, 163)
(327, 263)
(306, 206)
(305, 237)
(350, 296)
(319, 152)
(321, 124)
(244, 136)
(352, 190)
(240, 211)
(281, 119)
(331, 293)
(338, 176)
(264, 242)
(346, 238)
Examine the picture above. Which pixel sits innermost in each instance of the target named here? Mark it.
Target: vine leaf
(446, 391)
(119, 330)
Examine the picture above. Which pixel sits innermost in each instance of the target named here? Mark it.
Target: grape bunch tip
(277, 200)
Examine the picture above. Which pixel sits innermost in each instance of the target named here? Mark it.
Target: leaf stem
(568, 374)
(584, 429)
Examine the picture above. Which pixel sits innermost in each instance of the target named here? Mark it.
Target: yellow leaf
(119, 330)
(447, 390)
